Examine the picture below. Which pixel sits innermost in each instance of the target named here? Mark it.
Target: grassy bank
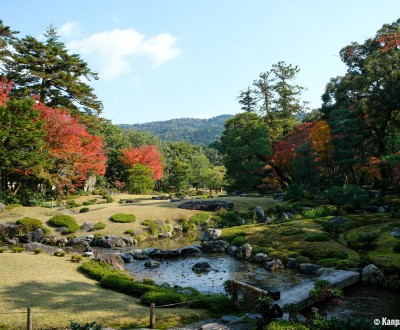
(58, 293)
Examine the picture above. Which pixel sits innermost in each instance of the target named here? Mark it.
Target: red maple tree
(145, 155)
(75, 153)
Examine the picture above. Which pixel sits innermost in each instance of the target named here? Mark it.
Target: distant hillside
(192, 130)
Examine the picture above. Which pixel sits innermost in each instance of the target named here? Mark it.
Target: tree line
(353, 139)
(54, 142)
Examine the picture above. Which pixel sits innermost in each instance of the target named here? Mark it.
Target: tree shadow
(74, 296)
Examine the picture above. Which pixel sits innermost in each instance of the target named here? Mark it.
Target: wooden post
(29, 319)
(234, 293)
(152, 315)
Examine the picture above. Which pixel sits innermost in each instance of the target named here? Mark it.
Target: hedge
(124, 283)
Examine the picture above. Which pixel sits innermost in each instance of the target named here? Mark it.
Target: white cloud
(69, 29)
(113, 52)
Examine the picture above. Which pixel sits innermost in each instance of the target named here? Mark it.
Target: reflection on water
(179, 272)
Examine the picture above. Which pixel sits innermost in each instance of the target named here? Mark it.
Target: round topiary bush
(239, 240)
(123, 218)
(65, 221)
(84, 210)
(99, 226)
(29, 224)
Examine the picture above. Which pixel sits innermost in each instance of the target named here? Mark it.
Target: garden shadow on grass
(71, 296)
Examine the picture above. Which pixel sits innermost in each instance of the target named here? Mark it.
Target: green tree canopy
(247, 146)
(48, 71)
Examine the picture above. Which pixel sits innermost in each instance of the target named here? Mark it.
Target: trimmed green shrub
(303, 260)
(317, 238)
(2, 250)
(329, 262)
(96, 270)
(90, 202)
(199, 218)
(65, 221)
(99, 226)
(152, 226)
(123, 218)
(162, 298)
(124, 283)
(29, 224)
(215, 303)
(59, 253)
(38, 250)
(339, 254)
(108, 198)
(84, 210)
(76, 258)
(239, 240)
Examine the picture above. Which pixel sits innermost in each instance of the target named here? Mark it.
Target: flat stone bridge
(299, 294)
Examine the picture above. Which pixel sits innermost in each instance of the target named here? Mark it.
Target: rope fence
(248, 292)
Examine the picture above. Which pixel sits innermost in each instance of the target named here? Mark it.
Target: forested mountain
(192, 130)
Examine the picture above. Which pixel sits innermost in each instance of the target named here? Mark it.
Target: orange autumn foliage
(145, 155)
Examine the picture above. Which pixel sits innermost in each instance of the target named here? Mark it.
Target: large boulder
(372, 275)
(273, 265)
(245, 252)
(9, 230)
(232, 250)
(36, 235)
(109, 241)
(292, 263)
(260, 258)
(87, 226)
(207, 205)
(113, 259)
(35, 245)
(260, 215)
(307, 268)
(211, 234)
(190, 250)
(215, 246)
(152, 264)
(165, 254)
(81, 240)
(201, 267)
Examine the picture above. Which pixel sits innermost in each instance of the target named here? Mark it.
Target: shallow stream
(224, 267)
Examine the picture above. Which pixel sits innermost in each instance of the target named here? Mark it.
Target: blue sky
(165, 59)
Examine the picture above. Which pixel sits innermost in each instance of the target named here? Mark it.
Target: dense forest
(53, 140)
(192, 130)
